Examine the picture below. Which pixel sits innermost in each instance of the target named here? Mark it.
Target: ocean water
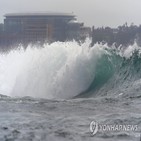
(54, 92)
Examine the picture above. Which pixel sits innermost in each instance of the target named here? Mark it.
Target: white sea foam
(127, 53)
(58, 70)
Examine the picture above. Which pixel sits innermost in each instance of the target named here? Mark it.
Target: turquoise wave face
(116, 74)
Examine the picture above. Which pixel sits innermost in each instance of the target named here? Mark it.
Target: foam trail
(59, 70)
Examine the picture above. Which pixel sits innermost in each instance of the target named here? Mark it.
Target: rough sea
(70, 92)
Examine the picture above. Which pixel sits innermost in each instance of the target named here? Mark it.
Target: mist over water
(58, 70)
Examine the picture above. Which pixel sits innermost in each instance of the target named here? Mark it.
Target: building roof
(39, 14)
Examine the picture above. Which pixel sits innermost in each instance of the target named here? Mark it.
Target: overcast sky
(91, 12)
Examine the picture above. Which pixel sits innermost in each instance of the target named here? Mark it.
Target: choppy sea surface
(54, 92)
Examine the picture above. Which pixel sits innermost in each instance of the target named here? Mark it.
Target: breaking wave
(63, 70)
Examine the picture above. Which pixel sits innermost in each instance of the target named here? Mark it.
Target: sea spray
(64, 70)
(58, 70)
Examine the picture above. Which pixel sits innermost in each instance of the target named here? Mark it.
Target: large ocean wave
(68, 69)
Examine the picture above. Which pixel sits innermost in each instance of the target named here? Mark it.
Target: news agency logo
(95, 127)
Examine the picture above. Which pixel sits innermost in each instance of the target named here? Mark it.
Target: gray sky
(91, 12)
